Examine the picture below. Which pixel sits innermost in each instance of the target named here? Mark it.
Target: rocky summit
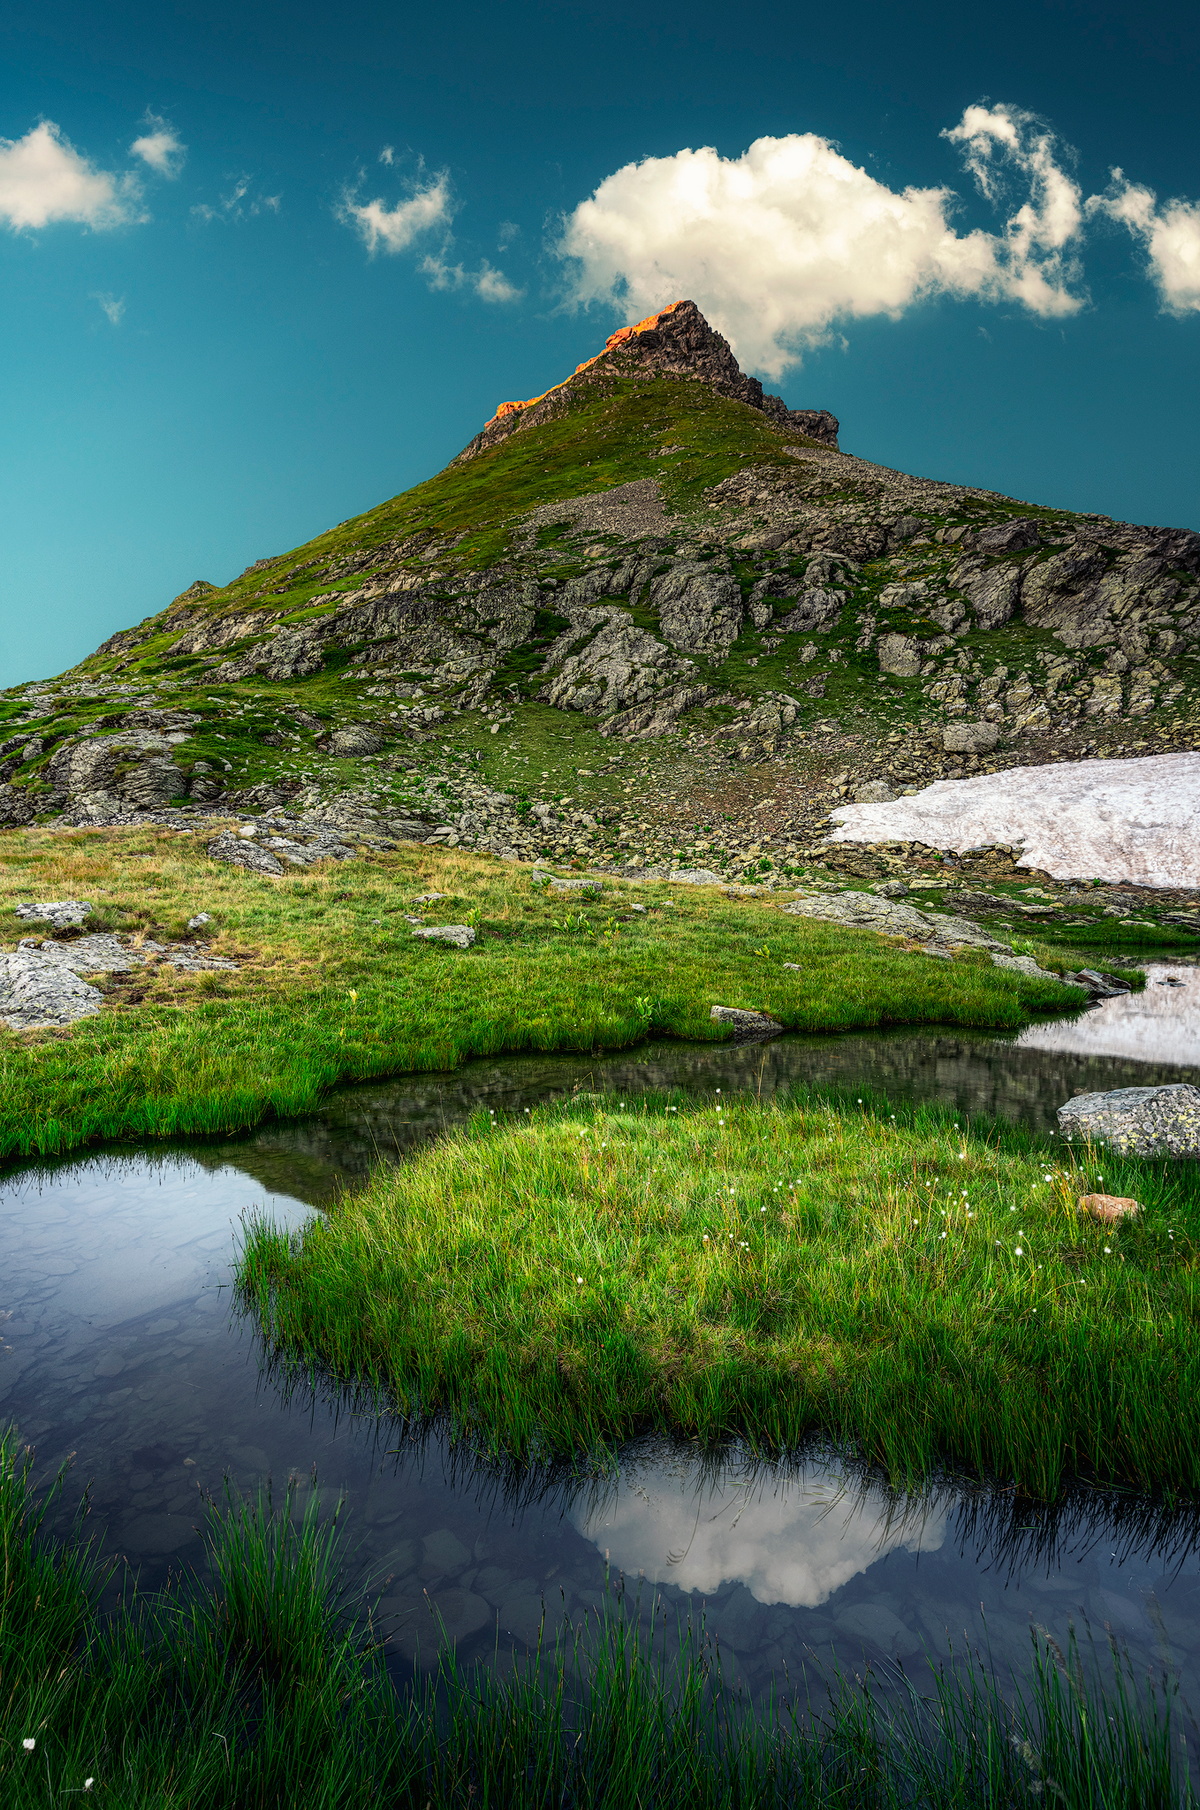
(652, 617)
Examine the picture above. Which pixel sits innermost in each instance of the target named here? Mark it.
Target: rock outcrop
(676, 342)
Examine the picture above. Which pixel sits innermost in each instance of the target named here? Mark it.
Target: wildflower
(706, 1237)
(28, 1744)
(1020, 1252)
(1108, 1250)
(579, 1278)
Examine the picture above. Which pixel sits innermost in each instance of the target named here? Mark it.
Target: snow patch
(1132, 820)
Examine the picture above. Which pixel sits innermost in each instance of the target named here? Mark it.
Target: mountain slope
(649, 615)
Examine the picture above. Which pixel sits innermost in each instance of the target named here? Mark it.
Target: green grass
(252, 1690)
(913, 1290)
(333, 987)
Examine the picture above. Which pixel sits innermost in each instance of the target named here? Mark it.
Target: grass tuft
(224, 1695)
(929, 1295)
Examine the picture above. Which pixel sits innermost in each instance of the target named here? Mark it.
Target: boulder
(356, 739)
(1109, 1209)
(37, 991)
(63, 914)
(460, 935)
(576, 885)
(696, 876)
(1008, 537)
(242, 853)
(900, 654)
(1138, 1121)
(874, 791)
(748, 1027)
(970, 738)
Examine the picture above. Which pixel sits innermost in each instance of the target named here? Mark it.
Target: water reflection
(119, 1348)
(790, 1537)
(1160, 1025)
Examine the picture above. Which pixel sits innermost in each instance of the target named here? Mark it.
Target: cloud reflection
(792, 1541)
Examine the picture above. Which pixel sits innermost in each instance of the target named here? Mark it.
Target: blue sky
(341, 241)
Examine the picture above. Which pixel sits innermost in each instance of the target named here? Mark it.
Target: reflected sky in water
(119, 1346)
(1160, 1025)
(793, 1539)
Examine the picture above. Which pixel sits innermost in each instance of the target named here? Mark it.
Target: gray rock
(748, 1027)
(1104, 986)
(699, 609)
(242, 853)
(356, 738)
(892, 889)
(63, 914)
(694, 876)
(1140, 1121)
(17, 806)
(37, 991)
(580, 885)
(900, 654)
(461, 935)
(970, 738)
(1008, 537)
(604, 663)
(874, 791)
(198, 922)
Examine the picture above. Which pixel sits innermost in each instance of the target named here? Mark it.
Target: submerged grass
(253, 1689)
(332, 986)
(928, 1294)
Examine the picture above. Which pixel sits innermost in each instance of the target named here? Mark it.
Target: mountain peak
(676, 342)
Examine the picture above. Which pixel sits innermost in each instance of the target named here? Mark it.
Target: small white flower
(706, 1237)
(1020, 1252)
(1108, 1249)
(28, 1744)
(579, 1278)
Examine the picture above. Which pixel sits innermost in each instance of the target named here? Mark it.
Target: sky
(261, 268)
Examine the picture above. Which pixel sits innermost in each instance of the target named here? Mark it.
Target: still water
(122, 1352)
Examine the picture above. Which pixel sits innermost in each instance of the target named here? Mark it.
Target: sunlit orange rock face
(614, 339)
(674, 342)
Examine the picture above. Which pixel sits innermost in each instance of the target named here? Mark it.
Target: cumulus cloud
(393, 229)
(44, 179)
(781, 243)
(793, 1543)
(160, 147)
(1170, 235)
(112, 307)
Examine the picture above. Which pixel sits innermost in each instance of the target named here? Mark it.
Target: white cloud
(44, 179)
(394, 229)
(239, 204)
(779, 244)
(113, 306)
(160, 147)
(1170, 234)
(388, 155)
(488, 284)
